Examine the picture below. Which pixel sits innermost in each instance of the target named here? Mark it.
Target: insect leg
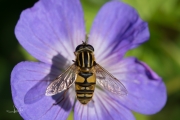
(92, 100)
(62, 98)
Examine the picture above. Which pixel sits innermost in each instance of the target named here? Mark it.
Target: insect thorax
(85, 60)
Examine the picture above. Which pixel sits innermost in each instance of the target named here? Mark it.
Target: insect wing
(63, 81)
(109, 82)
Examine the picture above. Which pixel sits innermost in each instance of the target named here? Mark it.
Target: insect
(85, 72)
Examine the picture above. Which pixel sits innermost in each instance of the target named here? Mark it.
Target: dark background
(10, 53)
(161, 53)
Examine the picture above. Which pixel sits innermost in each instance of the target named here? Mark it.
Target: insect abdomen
(85, 85)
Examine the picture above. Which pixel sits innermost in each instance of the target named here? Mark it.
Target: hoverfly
(84, 72)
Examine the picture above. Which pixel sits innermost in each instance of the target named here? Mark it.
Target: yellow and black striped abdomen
(85, 85)
(85, 59)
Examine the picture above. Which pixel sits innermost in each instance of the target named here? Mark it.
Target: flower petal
(146, 90)
(116, 29)
(29, 81)
(101, 107)
(51, 27)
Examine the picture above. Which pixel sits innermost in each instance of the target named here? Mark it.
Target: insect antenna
(84, 43)
(87, 36)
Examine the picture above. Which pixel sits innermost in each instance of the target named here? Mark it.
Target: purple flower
(51, 30)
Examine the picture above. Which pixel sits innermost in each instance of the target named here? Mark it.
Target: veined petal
(51, 27)
(101, 107)
(116, 29)
(146, 90)
(29, 81)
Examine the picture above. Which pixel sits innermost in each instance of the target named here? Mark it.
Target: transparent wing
(63, 81)
(109, 82)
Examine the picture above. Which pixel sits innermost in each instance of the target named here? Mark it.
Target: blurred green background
(161, 52)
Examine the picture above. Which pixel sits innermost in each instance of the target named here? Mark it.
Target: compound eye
(90, 47)
(79, 47)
